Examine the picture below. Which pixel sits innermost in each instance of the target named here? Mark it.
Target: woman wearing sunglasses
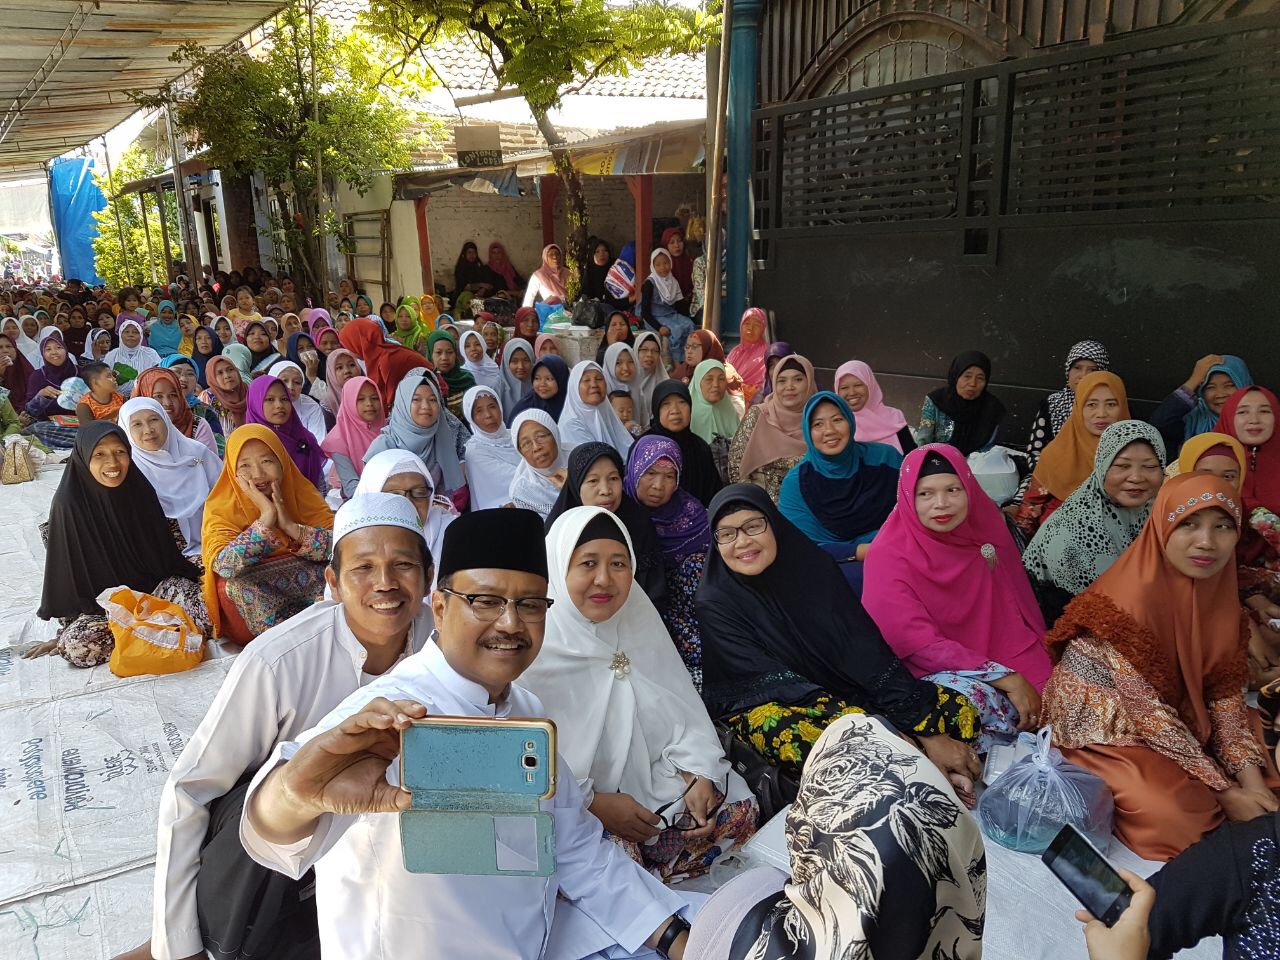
(632, 727)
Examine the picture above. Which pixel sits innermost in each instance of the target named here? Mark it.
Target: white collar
(473, 693)
(418, 634)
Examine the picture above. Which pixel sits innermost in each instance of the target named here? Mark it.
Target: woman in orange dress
(1148, 687)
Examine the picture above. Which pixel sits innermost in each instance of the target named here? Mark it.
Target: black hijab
(531, 401)
(699, 476)
(593, 278)
(975, 420)
(102, 537)
(650, 573)
(795, 631)
(629, 339)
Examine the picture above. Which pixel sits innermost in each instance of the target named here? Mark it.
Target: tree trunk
(297, 238)
(576, 251)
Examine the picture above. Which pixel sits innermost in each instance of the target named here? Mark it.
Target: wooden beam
(641, 187)
(424, 243)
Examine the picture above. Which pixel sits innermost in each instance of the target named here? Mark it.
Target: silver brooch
(621, 665)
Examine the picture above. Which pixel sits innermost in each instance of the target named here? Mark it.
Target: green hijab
(711, 419)
(459, 379)
(415, 336)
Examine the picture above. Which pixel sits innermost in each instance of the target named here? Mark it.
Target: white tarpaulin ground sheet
(83, 755)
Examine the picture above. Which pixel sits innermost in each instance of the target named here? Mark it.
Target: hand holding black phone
(1087, 874)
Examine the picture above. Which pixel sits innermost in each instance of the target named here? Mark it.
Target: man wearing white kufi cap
(281, 684)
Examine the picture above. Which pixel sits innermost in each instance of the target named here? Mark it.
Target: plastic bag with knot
(1034, 798)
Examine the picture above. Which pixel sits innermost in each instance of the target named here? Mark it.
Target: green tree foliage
(546, 49)
(307, 91)
(148, 262)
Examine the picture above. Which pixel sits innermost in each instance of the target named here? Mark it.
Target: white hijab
(381, 467)
(644, 384)
(581, 423)
(139, 358)
(485, 370)
(667, 288)
(94, 334)
(26, 346)
(633, 733)
(310, 412)
(513, 388)
(531, 485)
(492, 458)
(612, 383)
(183, 471)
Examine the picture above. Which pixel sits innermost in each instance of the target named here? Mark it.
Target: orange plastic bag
(152, 635)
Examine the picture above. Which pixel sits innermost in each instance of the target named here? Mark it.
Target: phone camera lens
(530, 762)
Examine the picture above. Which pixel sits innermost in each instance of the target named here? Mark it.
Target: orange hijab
(778, 434)
(228, 512)
(1199, 445)
(1196, 623)
(1068, 459)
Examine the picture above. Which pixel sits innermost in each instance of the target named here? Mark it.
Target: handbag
(772, 788)
(152, 635)
(18, 465)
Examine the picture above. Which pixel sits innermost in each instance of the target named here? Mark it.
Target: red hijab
(385, 363)
(681, 266)
(1261, 486)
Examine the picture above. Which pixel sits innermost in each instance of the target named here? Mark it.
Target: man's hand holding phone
(1128, 938)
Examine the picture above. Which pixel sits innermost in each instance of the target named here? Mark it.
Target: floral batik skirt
(784, 735)
(673, 856)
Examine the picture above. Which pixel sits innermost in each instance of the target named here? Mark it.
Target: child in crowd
(625, 408)
(103, 400)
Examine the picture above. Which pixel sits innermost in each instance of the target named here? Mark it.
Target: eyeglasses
(752, 528)
(489, 607)
(417, 493)
(684, 820)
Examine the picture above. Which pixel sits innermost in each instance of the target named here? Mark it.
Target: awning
(673, 147)
(68, 65)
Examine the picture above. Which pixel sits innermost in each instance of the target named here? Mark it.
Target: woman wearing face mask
(1147, 688)
(770, 441)
(1100, 519)
(1067, 461)
(947, 539)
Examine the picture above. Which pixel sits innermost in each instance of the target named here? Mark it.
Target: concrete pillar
(744, 45)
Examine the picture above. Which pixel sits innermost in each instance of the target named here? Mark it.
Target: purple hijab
(45, 375)
(682, 525)
(303, 448)
(777, 350)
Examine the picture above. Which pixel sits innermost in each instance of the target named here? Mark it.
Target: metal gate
(366, 242)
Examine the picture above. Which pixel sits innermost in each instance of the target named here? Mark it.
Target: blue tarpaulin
(75, 199)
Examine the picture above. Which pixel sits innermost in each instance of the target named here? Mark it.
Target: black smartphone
(1085, 872)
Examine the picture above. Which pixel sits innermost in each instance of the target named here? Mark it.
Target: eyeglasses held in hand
(684, 820)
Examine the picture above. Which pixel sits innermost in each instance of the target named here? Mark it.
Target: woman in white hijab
(650, 371)
(587, 414)
(517, 372)
(402, 472)
(89, 353)
(310, 412)
(26, 346)
(491, 456)
(616, 379)
(182, 471)
(477, 362)
(642, 740)
(542, 469)
(131, 352)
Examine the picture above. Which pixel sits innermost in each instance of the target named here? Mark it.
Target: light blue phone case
(477, 788)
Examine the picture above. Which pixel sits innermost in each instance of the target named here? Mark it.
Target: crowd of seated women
(761, 559)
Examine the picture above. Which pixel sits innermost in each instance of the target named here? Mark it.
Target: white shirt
(281, 684)
(312, 416)
(371, 907)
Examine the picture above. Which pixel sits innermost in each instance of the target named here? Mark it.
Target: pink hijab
(333, 391)
(875, 422)
(350, 435)
(748, 358)
(913, 577)
(316, 318)
(553, 280)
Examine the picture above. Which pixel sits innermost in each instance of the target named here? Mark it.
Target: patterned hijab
(1089, 531)
(1060, 403)
(681, 523)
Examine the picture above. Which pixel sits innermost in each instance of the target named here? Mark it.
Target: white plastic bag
(995, 472)
(1038, 795)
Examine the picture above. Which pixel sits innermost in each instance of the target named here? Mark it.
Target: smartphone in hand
(1087, 874)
